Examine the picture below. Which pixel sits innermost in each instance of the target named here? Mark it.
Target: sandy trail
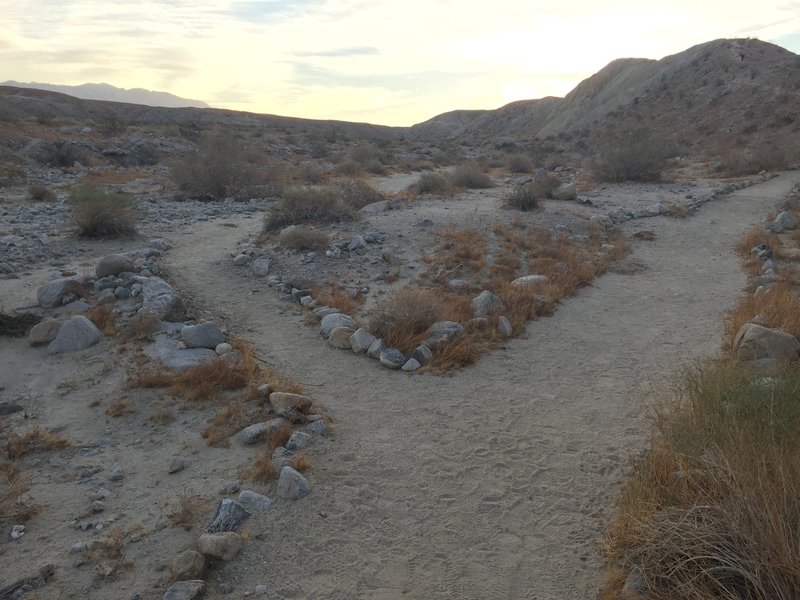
(496, 482)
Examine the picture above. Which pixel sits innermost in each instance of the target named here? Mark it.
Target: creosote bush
(523, 197)
(432, 183)
(304, 238)
(470, 176)
(100, 214)
(637, 156)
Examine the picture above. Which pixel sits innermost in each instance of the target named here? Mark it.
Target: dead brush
(224, 424)
(757, 236)
(34, 441)
(304, 238)
(13, 484)
(263, 467)
(347, 301)
(141, 327)
(187, 510)
(300, 463)
(711, 510)
(777, 308)
(119, 408)
(161, 417)
(104, 319)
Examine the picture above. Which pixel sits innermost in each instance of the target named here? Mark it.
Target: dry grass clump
(347, 301)
(357, 193)
(712, 510)
(300, 463)
(519, 163)
(14, 484)
(523, 197)
(470, 176)
(304, 238)
(104, 318)
(188, 509)
(757, 236)
(638, 156)
(432, 183)
(161, 417)
(764, 157)
(41, 193)
(99, 214)
(140, 327)
(777, 308)
(263, 467)
(119, 408)
(33, 441)
(224, 424)
(299, 205)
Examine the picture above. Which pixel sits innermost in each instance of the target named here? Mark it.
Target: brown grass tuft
(348, 302)
(13, 485)
(279, 437)
(300, 463)
(161, 417)
(757, 236)
(262, 469)
(188, 509)
(119, 408)
(778, 308)
(104, 319)
(141, 327)
(33, 441)
(304, 238)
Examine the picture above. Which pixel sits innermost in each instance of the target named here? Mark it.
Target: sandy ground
(496, 482)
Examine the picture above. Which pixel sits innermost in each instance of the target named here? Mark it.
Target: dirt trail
(496, 482)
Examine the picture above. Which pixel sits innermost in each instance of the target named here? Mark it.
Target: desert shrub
(97, 213)
(222, 167)
(17, 325)
(141, 155)
(41, 193)
(638, 156)
(311, 172)
(347, 301)
(33, 441)
(432, 183)
(307, 204)
(140, 327)
(778, 308)
(375, 167)
(764, 157)
(470, 176)
(711, 511)
(304, 238)
(402, 318)
(367, 152)
(349, 168)
(519, 163)
(523, 197)
(356, 193)
(62, 154)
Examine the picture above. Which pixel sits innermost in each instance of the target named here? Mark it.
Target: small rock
(54, 293)
(253, 501)
(308, 301)
(530, 280)
(223, 348)
(504, 327)
(422, 354)
(318, 428)
(177, 465)
(113, 264)
(442, 333)
(292, 485)
(361, 340)
(298, 440)
(230, 516)
(187, 565)
(106, 297)
(356, 243)
(225, 588)
(375, 349)
(332, 321)
(44, 332)
(282, 401)
(486, 303)
(392, 358)
(186, 590)
(261, 266)
(117, 474)
(17, 531)
(231, 487)
(205, 335)
(260, 431)
(242, 259)
(340, 338)
(78, 333)
(224, 545)
(412, 364)
(261, 590)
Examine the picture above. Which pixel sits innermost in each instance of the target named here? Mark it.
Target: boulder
(113, 264)
(332, 321)
(44, 332)
(253, 501)
(356, 243)
(422, 354)
(260, 431)
(504, 327)
(292, 485)
(392, 358)
(58, 292)
(361, 340)
(486, 303)
(230, 516)
(442, 333)
(283, 401)
(187, 565)
(375, 349)
(323, 311)
(186, 590)
(76, 334)
(106, 297)
(223, 545)
(566, 191)
(340, 338)
(160, 298)
(204, 335)
(754, 342)
(783, 221)
(298, 441)
(261, 267)
(412, 364)
(530, 280)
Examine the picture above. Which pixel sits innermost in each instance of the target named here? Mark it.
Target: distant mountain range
(104, 91)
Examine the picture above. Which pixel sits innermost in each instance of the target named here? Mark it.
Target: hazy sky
(393, 63)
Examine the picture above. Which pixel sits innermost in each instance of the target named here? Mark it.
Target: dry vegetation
(304, 238)
(638, 156)
(99, 214)
(188, 509)
(334, 295)
(104, 318)
(33, 441)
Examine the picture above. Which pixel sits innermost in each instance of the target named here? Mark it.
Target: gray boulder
(76, 334)
(113, 264)
(783, 221)
(356, 243)
(230, 516)
(253, 501)
(298, 441)
(412, 364)
(186, 590)
(261, 266)
(292, 485)
(754, 342)
(321, 312)
(106, 297)
(566, 191)
(442, 333)
(204, 335)
(44, 332)
(260, 431)
(504, 327)
(160, 298)
(340, 338)
(375, 349)
(422, 354)
(58, 292)
(332, 321)
(392, 358)
(361, 340)
(486, 303)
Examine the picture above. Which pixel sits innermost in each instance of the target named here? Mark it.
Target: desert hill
(104, 91)
(726, 89)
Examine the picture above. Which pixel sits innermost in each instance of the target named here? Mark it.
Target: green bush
(100, 214)
(638, 156)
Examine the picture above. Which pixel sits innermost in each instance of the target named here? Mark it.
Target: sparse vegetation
(100, 214)
(519, 163)
(347, 301)
(300, 205)
(140, 327)
(41, 193)
(639, 156)
(749, 161)
(432, 183)
(523, 197)
(33, 441)
(304, 238)
(17, 325)
(470, 176)
(104, 318)
(188, 509)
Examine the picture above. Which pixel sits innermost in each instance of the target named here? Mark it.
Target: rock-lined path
(496, 482)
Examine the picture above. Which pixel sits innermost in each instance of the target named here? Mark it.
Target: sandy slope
(496, 482)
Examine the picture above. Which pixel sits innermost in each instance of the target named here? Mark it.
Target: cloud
(341, 52)
(260, 10)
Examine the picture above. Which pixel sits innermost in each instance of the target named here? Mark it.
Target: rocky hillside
(104, 91)
(20, 103)
(724, 90)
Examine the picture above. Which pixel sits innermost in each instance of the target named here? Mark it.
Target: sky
(392, 63)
